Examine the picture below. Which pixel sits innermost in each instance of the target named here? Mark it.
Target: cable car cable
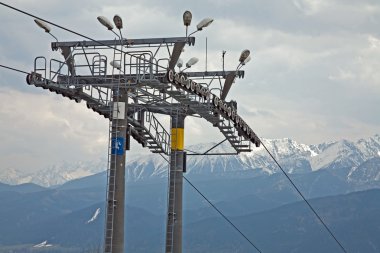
(224, 217)
(304, 199)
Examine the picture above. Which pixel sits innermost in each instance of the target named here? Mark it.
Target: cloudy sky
(314, 75)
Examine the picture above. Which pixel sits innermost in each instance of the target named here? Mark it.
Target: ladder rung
(243, 150)
(241, 146)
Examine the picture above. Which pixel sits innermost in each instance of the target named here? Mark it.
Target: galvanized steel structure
(130, 82)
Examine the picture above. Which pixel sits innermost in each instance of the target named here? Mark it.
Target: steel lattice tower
(141, 84)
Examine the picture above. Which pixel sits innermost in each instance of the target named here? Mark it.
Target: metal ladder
(111, 173)
(99, 65)
(171, 219)
(110, 196)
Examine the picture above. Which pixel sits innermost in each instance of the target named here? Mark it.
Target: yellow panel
(177, 137)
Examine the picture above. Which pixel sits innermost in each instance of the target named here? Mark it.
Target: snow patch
(43, 244)
(97, 212)
(313, 153)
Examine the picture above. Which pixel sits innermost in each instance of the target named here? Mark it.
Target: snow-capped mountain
(294, 158)
(54, 175)
(346, 153)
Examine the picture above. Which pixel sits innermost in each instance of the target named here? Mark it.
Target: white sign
(118, 110)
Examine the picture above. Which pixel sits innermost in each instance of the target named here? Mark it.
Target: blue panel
(117, 147)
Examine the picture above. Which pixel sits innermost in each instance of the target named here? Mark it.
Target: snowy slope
(346, 153)
(294, 158)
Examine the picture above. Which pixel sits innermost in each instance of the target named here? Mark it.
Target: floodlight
(187, 16)
(118, 22)
(246, 60)
(115, 64)
(191, 62)
(43, 25)
(244, 55)
(204, 23)
(179, 63)
(104, 21)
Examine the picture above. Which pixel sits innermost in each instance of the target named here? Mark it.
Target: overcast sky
(314, 74)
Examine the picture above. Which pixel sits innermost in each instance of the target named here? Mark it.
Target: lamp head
(179, 63)
(244, 55)
(204, 23)
(115, 64)
(191, 62)
(43, 25)
(246, 60)
(104, 21)
(118, 22)
(187, 16)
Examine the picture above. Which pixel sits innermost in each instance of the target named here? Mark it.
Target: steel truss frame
(139, 78)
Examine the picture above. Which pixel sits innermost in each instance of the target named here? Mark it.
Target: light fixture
(191, 62)
(246, 60)
(115, 64)
(45, 26)
(204, 23)
(179, 63)
(244, 55)
(230, 78)
(187, 16)
(104, 21)
(118, 22)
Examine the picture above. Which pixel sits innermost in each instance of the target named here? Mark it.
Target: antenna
(206, 54)
(223, 53)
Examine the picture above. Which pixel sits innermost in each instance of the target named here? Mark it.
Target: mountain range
(341, 179)
(294, 157)
(70, 219)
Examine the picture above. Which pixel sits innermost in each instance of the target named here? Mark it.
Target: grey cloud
(312, 77)
(254, 112)
(285, 15)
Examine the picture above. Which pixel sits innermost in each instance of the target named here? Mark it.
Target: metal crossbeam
(210, 74)
(112, 80)
(124, 42)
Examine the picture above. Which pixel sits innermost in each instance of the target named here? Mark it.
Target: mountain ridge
(353, 217)
(293, 156)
